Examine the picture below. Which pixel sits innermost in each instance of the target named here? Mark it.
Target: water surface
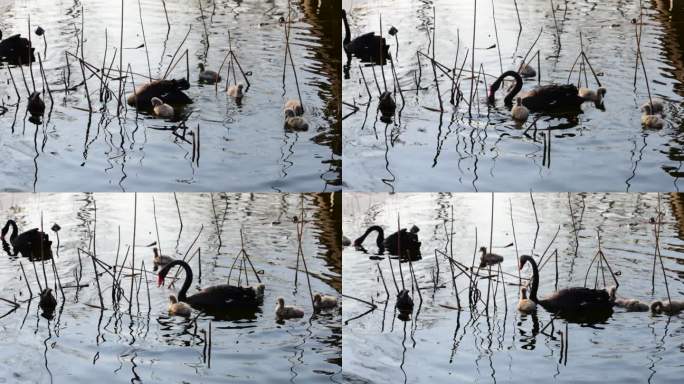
(83, 343)
(242, 147)
(481, 148)
(440, 344)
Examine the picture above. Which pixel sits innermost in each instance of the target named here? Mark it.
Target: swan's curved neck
(188, 277)
(379, 240)
(535, 280)
(10, 223)
(347, 33)
(496, 84)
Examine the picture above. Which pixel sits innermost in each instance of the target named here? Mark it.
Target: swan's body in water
(16, 50)
(589, 95)
(409, 244)
(295, 106)
(519, 111)
(207, 76)
(669, 308)
(541, 98)
(47, 301)
(324, 301)
(36, 106)
(525, 305)
(568, 300)
(387, 105)
(235, 91)
(217, 298)
(283, 311)
(159, 260)
(169, 91)
(650, 120)
(489, 259)
(655, 106)
(404, 301)
(630, 305)
(178, 308)
(295, 123)
(160, 109)
(34, 244)
(367, 47)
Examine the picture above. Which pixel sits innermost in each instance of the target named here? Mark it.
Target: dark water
(597, 150)
(242, 148)
(84, 344)
(444, 345)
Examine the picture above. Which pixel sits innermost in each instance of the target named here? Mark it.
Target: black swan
(545, 97)
(169, 91)
(16, 50)
(47, 301)
(216, 298)
(36, 106)
(34, 244)
(567, 300)
(367, 47)
(489, 259)
(410, 246)
(404, 301)
(387, 105)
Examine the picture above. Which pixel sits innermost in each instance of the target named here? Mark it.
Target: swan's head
(156, 102)
(656, 306)
(173, 299)
(415, 229)
(162, 275)
(483, 249)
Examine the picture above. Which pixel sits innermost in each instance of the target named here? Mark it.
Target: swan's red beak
(160, 281)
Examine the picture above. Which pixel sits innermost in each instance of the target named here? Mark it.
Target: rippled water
(242, 148)
(440, 344)
(83, 343)
(598, 150)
